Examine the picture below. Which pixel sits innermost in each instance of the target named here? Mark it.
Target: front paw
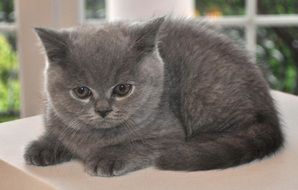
(44, 154)
(107, 167)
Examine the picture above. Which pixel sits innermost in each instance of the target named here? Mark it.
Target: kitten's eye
(82, 92)
(122, 89)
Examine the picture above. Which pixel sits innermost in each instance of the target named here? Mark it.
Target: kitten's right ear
(144, 36)
(54, 42)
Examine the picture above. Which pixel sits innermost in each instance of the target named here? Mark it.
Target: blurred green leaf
(9, 84)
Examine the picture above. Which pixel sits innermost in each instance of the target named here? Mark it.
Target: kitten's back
(210, 79)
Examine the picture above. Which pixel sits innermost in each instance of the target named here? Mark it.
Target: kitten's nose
(103, 113)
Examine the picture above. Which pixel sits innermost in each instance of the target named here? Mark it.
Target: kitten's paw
(107, 167)
(41, 154)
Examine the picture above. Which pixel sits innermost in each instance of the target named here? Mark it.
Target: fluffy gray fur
(198, 102)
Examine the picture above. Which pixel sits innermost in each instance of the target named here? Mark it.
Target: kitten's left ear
(54, 42)
(144, 36)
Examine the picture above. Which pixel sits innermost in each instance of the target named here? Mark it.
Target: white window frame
(7, 27)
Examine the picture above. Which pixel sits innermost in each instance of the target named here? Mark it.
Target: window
(9, 83)
(95, 9)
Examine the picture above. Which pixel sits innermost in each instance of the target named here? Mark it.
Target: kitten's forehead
(100, 54)
(107, 39)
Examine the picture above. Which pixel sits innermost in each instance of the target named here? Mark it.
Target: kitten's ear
(54, 42)
(144, 36)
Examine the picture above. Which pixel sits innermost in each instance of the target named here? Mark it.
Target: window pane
(235, 33)
(95, 9)
(9, 83)
(219, 7)
(6, 11)
(277, 7)
(277, 53)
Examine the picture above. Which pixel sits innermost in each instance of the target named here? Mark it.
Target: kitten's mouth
(105, 123)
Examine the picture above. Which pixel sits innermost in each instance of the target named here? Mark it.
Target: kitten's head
(100, 77)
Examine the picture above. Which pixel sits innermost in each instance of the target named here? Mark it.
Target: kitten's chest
(87, 143)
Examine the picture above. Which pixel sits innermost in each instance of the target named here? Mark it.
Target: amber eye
(82, 92)
(122, 89)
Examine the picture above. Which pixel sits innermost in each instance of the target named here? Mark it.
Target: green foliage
(9, 84)
(279, 57)
(8, 117)
(278, 6)
(226, 7)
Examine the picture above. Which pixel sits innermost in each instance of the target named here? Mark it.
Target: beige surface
(14, 179)
(277, 172)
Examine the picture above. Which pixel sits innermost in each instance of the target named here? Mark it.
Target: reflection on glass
(277, 6)
(277, 53)
(235, 33)
(95, 9)
(215, 8)
(6, 11)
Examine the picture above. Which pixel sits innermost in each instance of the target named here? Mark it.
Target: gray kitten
(169, 93)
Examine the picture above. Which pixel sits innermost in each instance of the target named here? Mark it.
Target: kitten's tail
(222, 150)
